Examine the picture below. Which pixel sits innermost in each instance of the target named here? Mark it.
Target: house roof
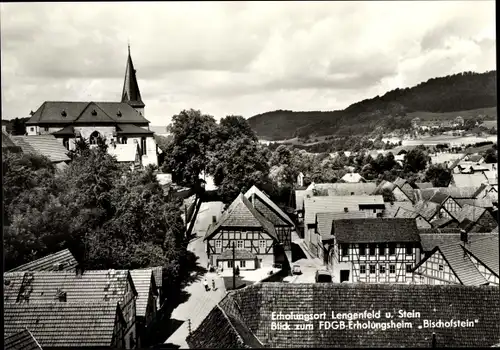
(468, 180)
(352, 177)
(325, 221)
(480, 202)
(430, 241)
(378, 230)
(124, 152)
(7, 142)
(91, 286)
(63, 325)
(60, 261)
(242, 214)
(443, 222)
(406, 213)
(485, 249)
(12, 285)
(131, 93)
(68, 130)
(300, 195)
(46, 145)
(143, 281)
(127, 129)
(158, 275)
(238, 253)
(346, 188)
(439, 198)
(252, 309)
(469, 212)
(392, 208)
(254, 191)
(384, 185)
(22, 340)
(474, 157)
(336, 204)
(51, 112)
(462, 266)
(423, 185)
(426, 209)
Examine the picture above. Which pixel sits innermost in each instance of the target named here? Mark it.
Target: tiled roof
(124, 152)
(400, 182)
(92, 286)
(336, 204)
(468, 180)
(423, 185)
(405, 213)
(63, 325)
(384, 185)
(325, 221)
(469, 212)
(143, 279)
(158, 275)
(439, 198)
(51, 112)
(474, 157)
(22, 340)
(443, 222)
(436, 230)
(127, 129)
(392, 208)
(238, 253)
(242, 214)
(375, 230)
(480, 202)
(462, 266)
(352, 177)
(347, 189)
(60, 261)
(46, 145)
(485, 249)
(454, 192)
(254, 191)
(426, 209)
(12, 282)
(252, 308)
(430, 241)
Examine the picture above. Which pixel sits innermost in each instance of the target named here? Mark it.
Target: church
(119, 123)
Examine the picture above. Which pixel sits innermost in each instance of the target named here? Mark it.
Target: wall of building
(434, 271)
(41, 130)
(249, 264)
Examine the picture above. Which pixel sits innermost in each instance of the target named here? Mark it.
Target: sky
(236, 58)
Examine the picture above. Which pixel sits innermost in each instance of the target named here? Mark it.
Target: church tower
(131, 93)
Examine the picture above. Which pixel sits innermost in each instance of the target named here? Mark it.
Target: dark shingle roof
(22, 340)
(469, 212)
(443, 222)
(50, 112)
(131, 93)
(430, 241)
(242, 214)
(439, 198)
(60, 261)
(254, 306)
(63, 325)
(46, 145)
(238, 253)
(485, 249)
(461, 265)
(325, 221)
(126, 129)
(255, 192)
(378, 230)
(143, 281)
(480, 202)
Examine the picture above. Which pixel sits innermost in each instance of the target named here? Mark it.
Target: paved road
(200, 302)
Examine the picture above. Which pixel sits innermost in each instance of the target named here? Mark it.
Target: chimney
(464, 236)
(346, 210)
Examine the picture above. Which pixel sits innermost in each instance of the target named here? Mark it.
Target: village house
(254, 238)
(244, 318)
(72, 288)
(447, 202)
(432, 238)
(22, 340)
(267, 208)
(472, 262)
(400, 188)
(475, 219)
(374, 250)
(372, 205)
(59, 261)
(122, 122)
(58, 325)
(146, 301)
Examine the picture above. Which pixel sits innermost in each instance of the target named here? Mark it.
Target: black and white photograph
(249, 174)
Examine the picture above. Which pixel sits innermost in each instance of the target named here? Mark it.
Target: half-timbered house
(447, 202)
(243, 227)
(468, 262)
(267, 208)
(477, 219)
(383, 250)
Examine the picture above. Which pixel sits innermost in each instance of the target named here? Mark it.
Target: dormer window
(119, 113)
(94, 113)
(63, 113)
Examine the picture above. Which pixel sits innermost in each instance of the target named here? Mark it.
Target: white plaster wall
(40, 130)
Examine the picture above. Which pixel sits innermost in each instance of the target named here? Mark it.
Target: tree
(232, 127)
(415, 160)
(491, 155)
(388, 195)
(189, 153)
(438, 175)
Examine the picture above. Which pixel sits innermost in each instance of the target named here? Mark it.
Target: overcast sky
(236, 58)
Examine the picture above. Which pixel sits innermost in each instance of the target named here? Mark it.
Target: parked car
(323, 276)
(296, 270)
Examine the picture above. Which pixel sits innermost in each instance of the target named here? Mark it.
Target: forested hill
(459, 92)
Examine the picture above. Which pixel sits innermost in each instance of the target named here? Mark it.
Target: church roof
(68, 112)
(131, 93)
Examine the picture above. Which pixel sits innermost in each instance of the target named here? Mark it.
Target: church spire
(131, 93)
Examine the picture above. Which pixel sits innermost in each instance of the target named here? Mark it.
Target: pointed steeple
(131, 93)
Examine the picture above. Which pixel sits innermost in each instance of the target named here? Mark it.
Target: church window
(143, 145)
(93, 138)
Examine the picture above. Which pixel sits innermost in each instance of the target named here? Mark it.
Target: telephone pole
(234, 267)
